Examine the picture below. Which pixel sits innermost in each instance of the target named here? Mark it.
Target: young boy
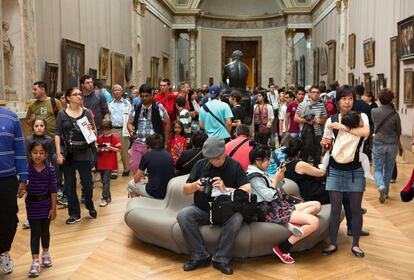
(184, 116)
(108, 145)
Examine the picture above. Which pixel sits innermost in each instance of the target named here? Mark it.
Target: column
(289, 56)
(193, 57)
(174, 63)
(343, 46)
(309, 55)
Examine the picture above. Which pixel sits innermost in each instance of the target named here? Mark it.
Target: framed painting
(128, 69)
(395, 70)
(367, 82)
(73, 63)
(369, 52)
(323, 61)
(93, 73)
(406, 38)
(155, 62)
(408, 87)
(51, 77)
(104, 64)
(351, 50)
(117, 69)
(331, 60)
(351, 79)
(316, 66)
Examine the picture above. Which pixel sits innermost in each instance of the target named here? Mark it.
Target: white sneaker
(26, 225)
(46, 260)
(6, 263)
(369, 176)
(103, 203)
(34, 270)
(97, 177)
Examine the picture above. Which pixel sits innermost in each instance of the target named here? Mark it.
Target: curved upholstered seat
(154, 221)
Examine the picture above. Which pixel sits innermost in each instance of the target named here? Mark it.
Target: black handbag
(221, 209)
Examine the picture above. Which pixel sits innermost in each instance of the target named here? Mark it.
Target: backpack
(346, 146)
(330, 107)
(54, 106)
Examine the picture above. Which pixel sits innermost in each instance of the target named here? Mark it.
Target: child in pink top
(177, 142)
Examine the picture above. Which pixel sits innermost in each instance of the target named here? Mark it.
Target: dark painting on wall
(369, 52)
(93, 73)
(316, 66)
(351, 50)
(73, 63)
(395, 70)
(104, 64)
(117, 69)
(367, 82)
(408, 87)
(351, 79)
(323, 61)
(51, 77)
(331, 60)
(406, 38)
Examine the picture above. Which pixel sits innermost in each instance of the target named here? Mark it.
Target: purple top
(40, 183)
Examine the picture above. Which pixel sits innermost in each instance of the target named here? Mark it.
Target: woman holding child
(345, 177)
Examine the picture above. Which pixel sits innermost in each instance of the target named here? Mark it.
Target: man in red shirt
(239, 148)
(167, 99)
(293, 127)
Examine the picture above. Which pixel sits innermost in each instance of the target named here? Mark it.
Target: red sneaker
(286, 258)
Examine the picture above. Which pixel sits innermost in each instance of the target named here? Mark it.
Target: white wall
(273, 52)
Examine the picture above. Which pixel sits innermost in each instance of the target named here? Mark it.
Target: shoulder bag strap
(193, 158)
(237, 147)
(257, 174)
(54, 106)
(384, 121)
(214, 116)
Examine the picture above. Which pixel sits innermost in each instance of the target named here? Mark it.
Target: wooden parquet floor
(105, 248)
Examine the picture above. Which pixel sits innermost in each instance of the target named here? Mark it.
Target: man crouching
(227, 175)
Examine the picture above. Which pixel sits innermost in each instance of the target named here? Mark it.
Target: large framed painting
(117, 69)
(395, 70)
(408, 87)
(367, 82)
(351, 79)
(104, 64)
(128, 69)
(73, 63)
(51, 77)
(406, 38)
(351, 50)
(369, 52)
(316, 66)
(381, 82)
(93, 73)
(323, 61)
(331, 60)
(155, 62)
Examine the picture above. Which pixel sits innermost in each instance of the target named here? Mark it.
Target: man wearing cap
(227, 175)
(216, 116)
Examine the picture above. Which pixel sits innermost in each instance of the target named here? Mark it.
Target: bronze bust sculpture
(237, 72)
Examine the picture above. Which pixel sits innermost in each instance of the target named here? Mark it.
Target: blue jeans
(69, 172)
(384, 160)
(191, 217)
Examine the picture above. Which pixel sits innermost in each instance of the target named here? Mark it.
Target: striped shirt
(318, 109)
(40, 183)
(185, 118)
(12, 152)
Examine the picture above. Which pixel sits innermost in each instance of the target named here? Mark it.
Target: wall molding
(157, 13)
(324, 14)
(300, 25)
(183, 26)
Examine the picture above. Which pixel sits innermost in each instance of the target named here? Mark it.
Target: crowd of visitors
(162, 134)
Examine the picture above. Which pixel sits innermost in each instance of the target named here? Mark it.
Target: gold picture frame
(351, 50)
(104, 64)
(117, 69)
(51, 77)
(331, 61)
(395, 70)
(408, 87)
(369, 52)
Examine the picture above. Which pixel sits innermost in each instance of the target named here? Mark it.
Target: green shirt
(44, 109)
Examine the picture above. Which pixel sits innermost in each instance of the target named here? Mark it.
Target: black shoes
(193, 265)
(125, 173)
(223, 267)
(358, 254)
(327, 252)
(363, 232)
(93, 214)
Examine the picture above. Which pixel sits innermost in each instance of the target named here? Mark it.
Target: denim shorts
(345, 181)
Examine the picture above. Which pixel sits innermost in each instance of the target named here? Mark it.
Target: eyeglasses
(145, 113)
(76, 94)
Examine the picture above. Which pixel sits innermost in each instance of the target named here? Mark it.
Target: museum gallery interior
(285, 42)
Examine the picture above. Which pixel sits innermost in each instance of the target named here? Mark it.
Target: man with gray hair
(227, 175)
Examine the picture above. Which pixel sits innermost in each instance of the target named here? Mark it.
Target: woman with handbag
(273, 206)
(263, 118)
(386, 140)
(345, 177)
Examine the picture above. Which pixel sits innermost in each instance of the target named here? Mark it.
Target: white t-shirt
(282, 116)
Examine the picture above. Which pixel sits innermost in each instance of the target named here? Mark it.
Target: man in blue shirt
(12, 162)
(216, 116)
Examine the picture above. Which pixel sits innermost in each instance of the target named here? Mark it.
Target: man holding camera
(312, 115)
(225, 175)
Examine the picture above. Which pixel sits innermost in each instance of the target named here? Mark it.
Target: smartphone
(282, 165)
(102, 146)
